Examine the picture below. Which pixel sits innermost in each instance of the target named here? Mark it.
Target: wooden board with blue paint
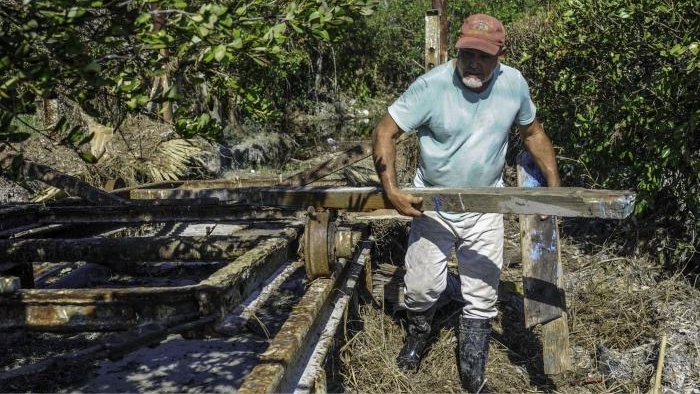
(560, 201)
(544, 301)
(539, 239)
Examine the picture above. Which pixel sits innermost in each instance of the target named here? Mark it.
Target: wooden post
(441, 7)
(436, 34)
(542, 276)
(432, 39)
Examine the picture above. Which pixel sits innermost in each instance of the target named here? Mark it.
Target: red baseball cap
(482, 32)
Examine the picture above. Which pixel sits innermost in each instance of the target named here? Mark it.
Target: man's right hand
(405, 203)
(384, 139)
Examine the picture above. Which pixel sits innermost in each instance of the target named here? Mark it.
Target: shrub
(616, 84)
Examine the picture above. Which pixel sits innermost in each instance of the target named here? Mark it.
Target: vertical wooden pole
(441, 7)
(436, 34)
(542, 276)
(432, 39)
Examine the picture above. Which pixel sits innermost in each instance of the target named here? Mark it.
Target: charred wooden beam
(70, 310)
(113, 251)
(295, 336)
(240, 278)
(108, 309)
(563, 201)
(39, 215)
(14, 163)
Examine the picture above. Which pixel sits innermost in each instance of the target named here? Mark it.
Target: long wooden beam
(37, 215)
(563, 201)
(70, 310)
(112, 251)
(12, 162)
(344, 159)
(288, 346)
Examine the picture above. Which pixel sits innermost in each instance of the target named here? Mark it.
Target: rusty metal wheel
(319, 243)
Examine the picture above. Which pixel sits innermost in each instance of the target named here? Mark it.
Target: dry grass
(140, 151)
(618, 308)
(370, 365)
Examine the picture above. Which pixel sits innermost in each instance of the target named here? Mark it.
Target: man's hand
(384, 139)
(406, 204)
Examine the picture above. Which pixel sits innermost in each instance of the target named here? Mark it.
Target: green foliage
(232, 56)
(506, 11)
(384, 54)
(616, 83)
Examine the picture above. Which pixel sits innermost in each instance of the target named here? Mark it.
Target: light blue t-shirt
(463, 135)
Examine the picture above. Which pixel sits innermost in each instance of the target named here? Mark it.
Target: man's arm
(540, 147)
(384, 139)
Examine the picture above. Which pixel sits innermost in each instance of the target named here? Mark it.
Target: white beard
(472, 82)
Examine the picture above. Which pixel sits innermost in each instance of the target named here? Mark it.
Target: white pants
(478, 243)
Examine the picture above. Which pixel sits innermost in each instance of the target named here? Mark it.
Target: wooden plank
(344, 159)
(432, 39)
(286, 348)
(12, 162)
(241, 277)
(37, 215)
(539, 242)
(73, 310)
(441, 7)
(544, 301)
(113, 251)
(307, 375)
(556, 350)
(105, 309)
(571, 202)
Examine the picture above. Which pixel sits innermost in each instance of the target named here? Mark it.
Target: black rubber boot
(418, 334)
(473, 350)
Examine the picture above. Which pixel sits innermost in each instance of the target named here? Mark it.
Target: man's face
(476, 68)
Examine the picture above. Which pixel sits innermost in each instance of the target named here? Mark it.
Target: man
(462, 111)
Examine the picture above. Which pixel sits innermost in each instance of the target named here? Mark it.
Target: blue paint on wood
(533, 176)
(536, 252)
(601, 209)
(437, 203)
(544, 300)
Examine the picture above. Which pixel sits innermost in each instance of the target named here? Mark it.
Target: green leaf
(75, 12)
(219, 52)
(88, 157)
(677, 49)
(322, 34)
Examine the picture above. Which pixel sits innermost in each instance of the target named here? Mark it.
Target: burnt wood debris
(213, 259)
